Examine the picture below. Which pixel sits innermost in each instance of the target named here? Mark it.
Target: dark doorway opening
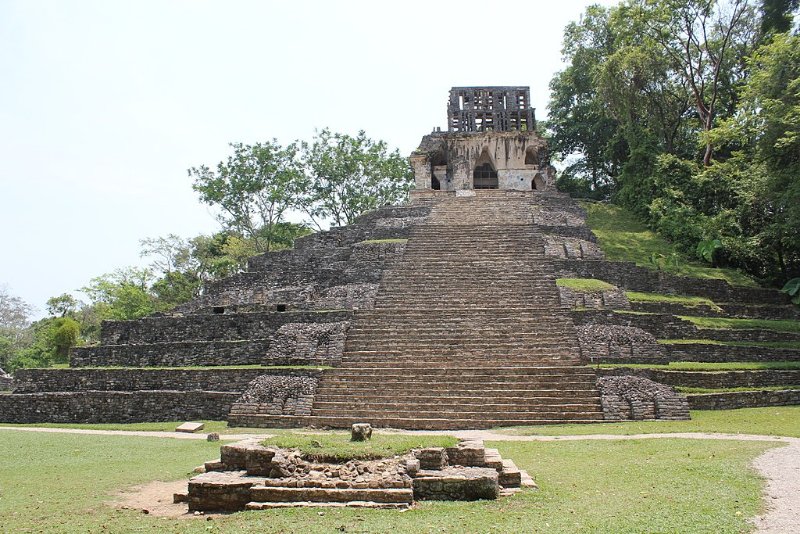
(280, 307)
(484, 177)
(218, 309)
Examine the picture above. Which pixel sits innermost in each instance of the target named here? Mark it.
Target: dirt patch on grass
(153, 498)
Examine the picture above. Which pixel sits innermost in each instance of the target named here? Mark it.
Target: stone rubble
(637, 398)
(249, 475)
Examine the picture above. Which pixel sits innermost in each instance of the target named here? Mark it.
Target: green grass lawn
(773, 421)
(585, 285)
(60, 482)
(707, 366)
(220, 427)
(764, 344)
(687, 389)
(337, 447)
(623, 238)
(778, 325)
(635, 296)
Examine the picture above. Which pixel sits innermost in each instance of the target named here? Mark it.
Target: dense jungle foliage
(687, 112)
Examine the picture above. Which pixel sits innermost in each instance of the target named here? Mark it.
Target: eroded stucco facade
(491, 144)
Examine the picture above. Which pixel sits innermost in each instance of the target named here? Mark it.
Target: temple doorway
(484, 177)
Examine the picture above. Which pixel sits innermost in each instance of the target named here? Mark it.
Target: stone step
(411, 423)
(511, 395)
(510, 475)
(498, 406)
(378, 379)
(271, 494)
(452, 375)
(492, 353)
(349, 504)
(500, 313)
(555, 413)
(526, 481)
(361, 350)
(426, 359)
(493, 459)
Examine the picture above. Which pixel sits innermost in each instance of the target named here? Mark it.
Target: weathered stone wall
(561, 247)
(6, 381)
(184, 353)
(317, 344)
(618, 344)
(279, 395)
(296, 278)
(580, 233)
(742, 399)
(612, 299)
(115, 406)
(710, 379)
(212, 327)
(230, 380)
(630, 276)
(724, 310)
(667, 326)
(699, 352)
(634, 398)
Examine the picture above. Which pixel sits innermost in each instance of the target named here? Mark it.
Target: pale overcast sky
(104, 105)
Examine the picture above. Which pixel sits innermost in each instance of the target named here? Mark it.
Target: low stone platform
(250, 476)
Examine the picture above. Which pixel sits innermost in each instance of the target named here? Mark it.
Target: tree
(254, 189)
(170, 253)
(583, 131)
(776, 16)
(347, 176)
(123, 294)
(700, 36)
(770, 119)
(14, 325)
(14, 313)
(62, 305)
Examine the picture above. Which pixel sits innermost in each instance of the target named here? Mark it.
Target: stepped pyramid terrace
(483, 301)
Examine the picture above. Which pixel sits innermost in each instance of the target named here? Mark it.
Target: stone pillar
(421, 166)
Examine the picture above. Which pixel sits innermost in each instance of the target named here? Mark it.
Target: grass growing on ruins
(707, 366)
(337, 447)
(765, 344)
(61, 482)
(636, 296)
(584, 285)
(686, 389)
(772, 421)
(623, 238)
(778, 325)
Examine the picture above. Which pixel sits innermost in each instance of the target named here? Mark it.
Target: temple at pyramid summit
(452, 311)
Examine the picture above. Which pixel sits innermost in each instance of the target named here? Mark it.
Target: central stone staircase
(466, 332)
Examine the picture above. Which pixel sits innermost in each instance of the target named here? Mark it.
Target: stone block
(457, 484)
(220, 492)
(412, 466)
(432, 458)
(190, 428)
(282, 494)
(361, 432)
(234, 455)
(468, 453)
(214, 465)
(258, 461)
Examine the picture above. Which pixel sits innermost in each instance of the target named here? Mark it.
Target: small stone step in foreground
(251, 476)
